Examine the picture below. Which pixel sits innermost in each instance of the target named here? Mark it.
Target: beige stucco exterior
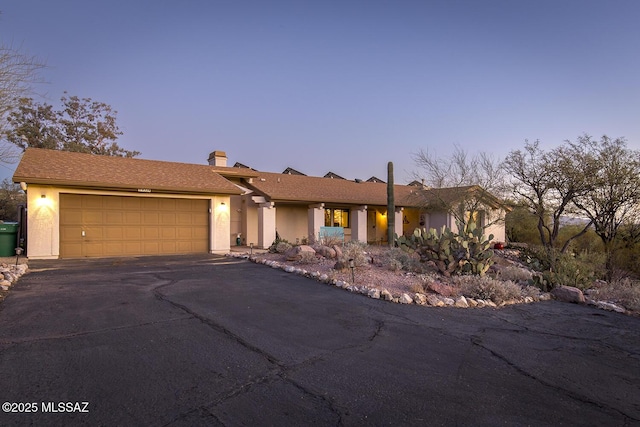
(43, 219)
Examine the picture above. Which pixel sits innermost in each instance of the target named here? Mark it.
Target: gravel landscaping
(508, 281)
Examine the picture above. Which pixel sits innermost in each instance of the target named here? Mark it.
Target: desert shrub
(515, 274)
(331, 241)
(418, 288)
(577, 270)
(568, 269)
(625, 292)
(396, 259)
(280, 246)
(535, 258)
(308, 258)
(357, 251)
(485, 288)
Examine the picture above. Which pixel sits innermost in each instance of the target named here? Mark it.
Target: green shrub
(576, 270)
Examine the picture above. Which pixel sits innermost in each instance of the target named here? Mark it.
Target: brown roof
(53, 167)
(310, 189)
(307, 189)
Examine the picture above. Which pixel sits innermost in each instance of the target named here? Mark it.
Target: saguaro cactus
(391, 206)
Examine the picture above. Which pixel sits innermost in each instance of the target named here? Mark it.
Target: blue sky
(342, 86)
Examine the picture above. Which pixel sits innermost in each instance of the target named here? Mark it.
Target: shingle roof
(52, 167)
(310, 189)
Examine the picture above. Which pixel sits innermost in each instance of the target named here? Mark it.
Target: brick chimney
(218, 158)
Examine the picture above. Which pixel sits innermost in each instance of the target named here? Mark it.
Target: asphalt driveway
(220, 341)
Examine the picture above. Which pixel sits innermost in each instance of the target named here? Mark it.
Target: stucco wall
(292, 222)
(43, 218)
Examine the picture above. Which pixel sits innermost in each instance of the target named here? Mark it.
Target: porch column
(266, 224)
(359, 223)
(398, 221)
(316, 220)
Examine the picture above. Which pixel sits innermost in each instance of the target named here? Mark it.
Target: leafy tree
(10, 197)
(520, 225)
(83, 125)
(472, 183)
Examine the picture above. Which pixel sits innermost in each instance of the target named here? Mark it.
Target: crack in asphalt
(477, 341)
(92, 332)
(279, 373)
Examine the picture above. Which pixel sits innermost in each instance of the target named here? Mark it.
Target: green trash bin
(8, 238)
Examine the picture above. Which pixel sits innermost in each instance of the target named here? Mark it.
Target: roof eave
(112, 187)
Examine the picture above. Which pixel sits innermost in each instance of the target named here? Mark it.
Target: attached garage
(104, 226)
(84, 205)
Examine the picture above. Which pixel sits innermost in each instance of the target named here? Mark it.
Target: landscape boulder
(441, 289)
(326, 251)
(295, 253)
(568, 294)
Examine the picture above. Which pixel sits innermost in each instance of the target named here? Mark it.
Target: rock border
(9, 275)
(433, 300)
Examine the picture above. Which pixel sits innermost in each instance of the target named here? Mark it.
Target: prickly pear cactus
(467, 252)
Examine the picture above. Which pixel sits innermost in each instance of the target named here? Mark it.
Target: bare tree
(547, 183)
(615, 192)
(473, 184)
(18, 72)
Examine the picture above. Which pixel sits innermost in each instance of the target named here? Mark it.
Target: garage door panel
(150, 233)
(71, 217)
(151, 218)
(167, 233)
(73, 201)
(151, 248)
(132, 233)
(114, 233)
(130, 226)
(92, 202)
(132, 248)
(71, 233)
(112, 203)
(73, 250)
(92, 217)
(114, 218)
(93, 249)
(131, 203)
(93, 233)
(168, 219)
(113, 249)
(150, 204)
(199, 218)
(168, 246)
(132, 218)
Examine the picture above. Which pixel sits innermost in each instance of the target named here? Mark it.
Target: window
(336, 218)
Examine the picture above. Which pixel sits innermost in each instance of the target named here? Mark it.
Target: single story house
(83, 205)
(296, 207)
